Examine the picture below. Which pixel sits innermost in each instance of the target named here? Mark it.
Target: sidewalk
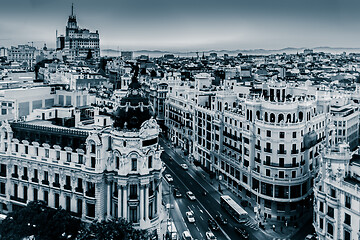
(281, 230)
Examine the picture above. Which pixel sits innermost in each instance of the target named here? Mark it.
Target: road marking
(189, 208)
(200, 209)
(201, 218)
(201, 235)
(197, 229)
(186, 187)
(192, 206)
(230, 225)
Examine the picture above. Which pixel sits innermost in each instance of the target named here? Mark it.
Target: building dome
(134, 108)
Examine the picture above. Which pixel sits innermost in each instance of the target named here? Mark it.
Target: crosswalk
(251, 224)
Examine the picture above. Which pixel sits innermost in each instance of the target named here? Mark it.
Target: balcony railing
(79, 190)
(295, 151)
(289, 165)
(18, 199)
(281, 151)
(15, 175)
(2, 174)
(25, 178)
(258, 147)
(268, 150)
(35, 180)
(45, 182)
(56, 184)
(90, 193)
(67, 187)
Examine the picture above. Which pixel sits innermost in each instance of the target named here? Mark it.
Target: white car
(210, 236)
(190, 217)
(187, 236)
(190, 195)
(184, 166)
(169, 178)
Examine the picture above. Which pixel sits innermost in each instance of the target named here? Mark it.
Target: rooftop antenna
(72, 9)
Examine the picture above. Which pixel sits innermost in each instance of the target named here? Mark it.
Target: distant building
(308, 51)
(79, 42)
(23, 54)
(60, 42)
(127, 55)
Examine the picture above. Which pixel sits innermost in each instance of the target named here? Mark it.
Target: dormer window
(92, 148)
(133, 164)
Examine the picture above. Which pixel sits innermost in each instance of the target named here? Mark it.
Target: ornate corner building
(94, 174)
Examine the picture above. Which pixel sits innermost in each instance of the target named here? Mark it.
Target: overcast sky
(187, 24)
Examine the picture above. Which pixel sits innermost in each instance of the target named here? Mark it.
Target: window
(47, 153)
(93, 162)
(347, 219)
(81, 159)
(294, 134)
(117, 162)
(281, 174)
(133, 164)
(330, 212)
(268, 133)
(133, 214)
(57, 155)
(2, 188)
(150, 162)
(321, 206)
(16, 147)
(79, 206)
(282, 135)
(46, 197)
(35, 174)
(133, 191)
(267, 172)
(68, 181)
(330, 229)
(293, 174)
(90, 210)
(36, 151)
(3, 170)
(347, 201)
(347, 235)
(35, 191)
(92, 148)
(68, 157)
(26, 149)
(68, 203)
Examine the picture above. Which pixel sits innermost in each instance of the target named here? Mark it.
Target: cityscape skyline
(189, 26)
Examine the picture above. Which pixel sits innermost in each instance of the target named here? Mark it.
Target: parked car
(213, 225)
(242, 232)
(184, 166)
(190, 195)
(221, 219)
(310, 237)
(177, 193)
(186, 235)
(190, 217)
(168, 178)
(210, 236)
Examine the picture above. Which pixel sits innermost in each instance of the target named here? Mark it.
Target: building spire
(72, 9)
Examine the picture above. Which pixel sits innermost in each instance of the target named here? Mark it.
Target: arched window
(280, 117)
(288, 118)
(301, 116)
(272, 117)
(117, 161)
(234, 105)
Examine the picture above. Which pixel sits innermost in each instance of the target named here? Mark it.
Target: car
(210, 235)
(168, 178)
(310, 237)
(242, 232)
(177, 193)
(213, 225)
(190, 216)
(190, 195)
(220, 219)
(184, 166)
(186, 235)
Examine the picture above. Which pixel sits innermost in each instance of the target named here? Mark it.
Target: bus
(233, 208)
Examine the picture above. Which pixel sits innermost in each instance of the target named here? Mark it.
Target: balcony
(281, 151)
(79, 190)
(18, 199)
(294, 151)
(2, 174)
(272, 164)
(268, 150)
(90, 193)
(15, 175)
(25, 178)
(67, 187)
(35, 180)
(257, 160)
(45, 182)
(56, 184)
(258, 147)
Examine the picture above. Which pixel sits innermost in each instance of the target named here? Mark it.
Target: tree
(116, 229)
(40, 221)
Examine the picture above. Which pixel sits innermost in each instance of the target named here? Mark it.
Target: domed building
(105, 172)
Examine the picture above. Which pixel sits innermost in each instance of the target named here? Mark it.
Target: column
(108, 199)
(125, 205)
(119, 208)
(159, 198)
(147, 202)
(142, 203)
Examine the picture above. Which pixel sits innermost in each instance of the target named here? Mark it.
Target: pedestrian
(285, 223)
(274, 227)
